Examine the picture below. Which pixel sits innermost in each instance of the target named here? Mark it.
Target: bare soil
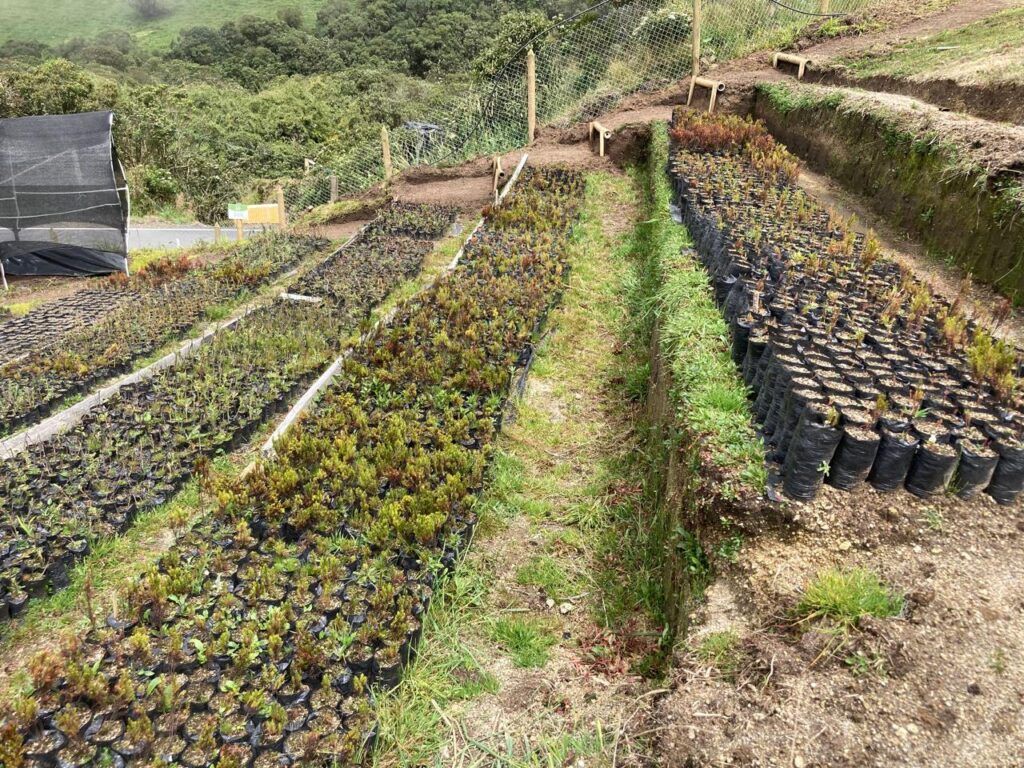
(941, 685)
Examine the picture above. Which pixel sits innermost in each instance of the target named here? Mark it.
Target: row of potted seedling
(859, 373)
(51, 321)
(159, 308)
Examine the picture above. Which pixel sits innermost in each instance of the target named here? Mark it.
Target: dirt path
(960, 14)
(518, 666)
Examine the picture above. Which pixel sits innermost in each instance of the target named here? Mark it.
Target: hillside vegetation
(218, 109)
(26, 20)
(988, 51)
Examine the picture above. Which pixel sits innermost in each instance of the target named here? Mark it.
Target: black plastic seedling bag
(756, 348)
(1008, 479)
(931, 470)
(809, 456)
(974, 472)
(895, 456)
(740, 337)
(854, 459)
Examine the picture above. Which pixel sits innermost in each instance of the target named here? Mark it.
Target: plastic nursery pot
(975, 469)
(895, 456)
(810, 454)
(758, 342)
(1008, 479)
(854, 457)
(932, 469)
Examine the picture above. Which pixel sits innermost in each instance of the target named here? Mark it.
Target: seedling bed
(134, 451)
(257, 639)
(399, 231)
(53, 320)
(32, 387)
(858, 372)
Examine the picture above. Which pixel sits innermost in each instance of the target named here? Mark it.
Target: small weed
(694, 559)
(730, 548)
(544, 571)
(862, 665)
(998, 662)
(934, 519)
(721, 650)
(636, 380)
(218, 312)
(527, 641)
(844, 597)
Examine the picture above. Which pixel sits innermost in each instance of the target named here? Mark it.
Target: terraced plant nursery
(627, 395)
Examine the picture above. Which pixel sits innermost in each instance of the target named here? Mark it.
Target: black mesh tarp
(63, 196)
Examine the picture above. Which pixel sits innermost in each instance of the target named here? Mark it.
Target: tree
(149, 9)
(291, 16)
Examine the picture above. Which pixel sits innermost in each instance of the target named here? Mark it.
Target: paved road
(162, 236)
(179, 236)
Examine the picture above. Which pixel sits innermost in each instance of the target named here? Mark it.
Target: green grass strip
(710, 397)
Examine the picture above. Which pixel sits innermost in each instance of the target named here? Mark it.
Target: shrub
(149, 9)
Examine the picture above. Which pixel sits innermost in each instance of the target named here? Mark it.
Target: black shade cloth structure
(64, 203)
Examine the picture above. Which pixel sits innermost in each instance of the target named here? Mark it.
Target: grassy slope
(56, 20)
(988, 51)
(707, 388)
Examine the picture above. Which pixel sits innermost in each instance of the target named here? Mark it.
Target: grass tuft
(527, 641)
(721, 650)
(844, 597)
(544, 571)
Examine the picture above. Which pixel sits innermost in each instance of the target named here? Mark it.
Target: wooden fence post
(282, 212)
(385, 144)
(825, 6)
(216, 233)
(334, 189)
(697, 13)
(239, 230)
(531, 96)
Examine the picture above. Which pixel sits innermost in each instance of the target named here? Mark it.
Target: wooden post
(531, 96)
(282, 212)
(385, 143)
(334, 189)
(825, 6)
(499, 174)
(216, 233)
(697, 12)
(240, 230)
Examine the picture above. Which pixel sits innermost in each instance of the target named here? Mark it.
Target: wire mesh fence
(584, 65)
